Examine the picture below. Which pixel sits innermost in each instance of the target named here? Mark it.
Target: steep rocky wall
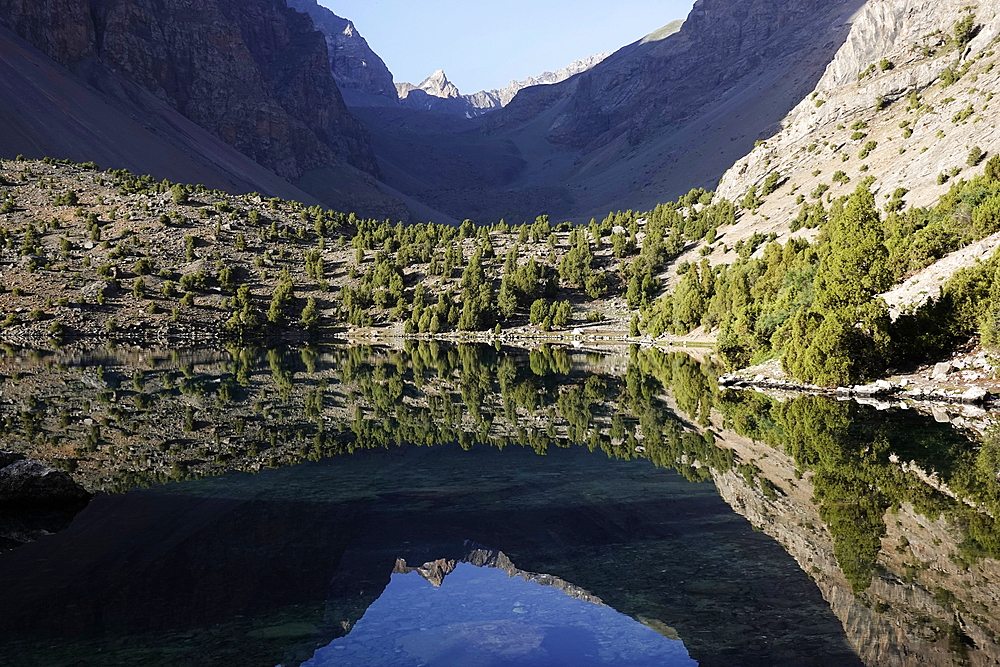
(253, 73)
(61, 28)
(355, 66)
(911, 35)
(721, 43)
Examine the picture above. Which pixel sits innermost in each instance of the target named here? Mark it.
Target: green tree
(310, 314)
(855, 265)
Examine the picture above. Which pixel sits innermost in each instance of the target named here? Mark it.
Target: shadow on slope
(59, 115)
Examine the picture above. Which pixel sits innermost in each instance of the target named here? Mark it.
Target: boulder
(26, 482)
(974, 395)
(941, 370)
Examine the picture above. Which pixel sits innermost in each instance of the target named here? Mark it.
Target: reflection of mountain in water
(278, 564)
(435, 571)
(489, 615)
(889, 512)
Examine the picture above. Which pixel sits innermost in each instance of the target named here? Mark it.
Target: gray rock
(974, 395)
(26, 482)
(940, 415)
(941, 370)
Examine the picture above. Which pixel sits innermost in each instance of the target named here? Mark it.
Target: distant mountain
(437, 93)
(670, 112)
(501, 97)
(365, 80)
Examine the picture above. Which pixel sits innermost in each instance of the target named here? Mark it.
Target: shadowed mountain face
(657, 118)
(253, 74)
(354, 65)
(670, 112)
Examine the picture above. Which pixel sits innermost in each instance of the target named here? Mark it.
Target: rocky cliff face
(501, 97)
(721, 45)
(254, 73)
(354, 65)
(895, 48)
(900, 106)
(665, 114)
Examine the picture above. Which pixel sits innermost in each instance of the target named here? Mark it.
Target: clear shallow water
(553, 466)
(266, 569)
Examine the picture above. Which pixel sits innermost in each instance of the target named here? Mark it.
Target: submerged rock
(26, 482)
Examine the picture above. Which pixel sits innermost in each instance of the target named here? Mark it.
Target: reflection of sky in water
(480, 617)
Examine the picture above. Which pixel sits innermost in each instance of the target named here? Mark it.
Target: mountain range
(239, 86)
(291, 100)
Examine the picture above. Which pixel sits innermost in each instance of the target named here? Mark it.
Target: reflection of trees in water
(854, 453)
(161, 417)
(121, 420)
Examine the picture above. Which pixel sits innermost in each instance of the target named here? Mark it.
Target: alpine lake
(482, 506)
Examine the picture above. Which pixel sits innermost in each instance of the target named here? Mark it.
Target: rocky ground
(963, 390)
(71, 285)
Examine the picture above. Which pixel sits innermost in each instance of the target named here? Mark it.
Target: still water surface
(559, 509)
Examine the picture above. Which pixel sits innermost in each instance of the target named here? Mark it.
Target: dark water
(472, 506)
(266, 569)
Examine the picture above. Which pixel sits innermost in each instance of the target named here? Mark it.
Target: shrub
(947, 77)
(975, 156)
(310, 314)
(992, 170)
(179, 194)
(750, 200)
(539, 311)
(820, 189)
(143, 267)
(965, 30)
(771, 183)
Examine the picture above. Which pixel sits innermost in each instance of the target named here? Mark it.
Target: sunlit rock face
(353, 63)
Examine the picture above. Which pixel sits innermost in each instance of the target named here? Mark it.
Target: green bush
(976, 156)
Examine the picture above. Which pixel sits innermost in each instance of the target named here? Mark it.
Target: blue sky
(483, 45)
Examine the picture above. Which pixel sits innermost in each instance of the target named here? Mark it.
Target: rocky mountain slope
(667, 113)
(365, 80)
(254, 74)
(904, 104)
(145, 136)
(354, 65)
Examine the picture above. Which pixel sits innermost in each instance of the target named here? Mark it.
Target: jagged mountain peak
(438, 85)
